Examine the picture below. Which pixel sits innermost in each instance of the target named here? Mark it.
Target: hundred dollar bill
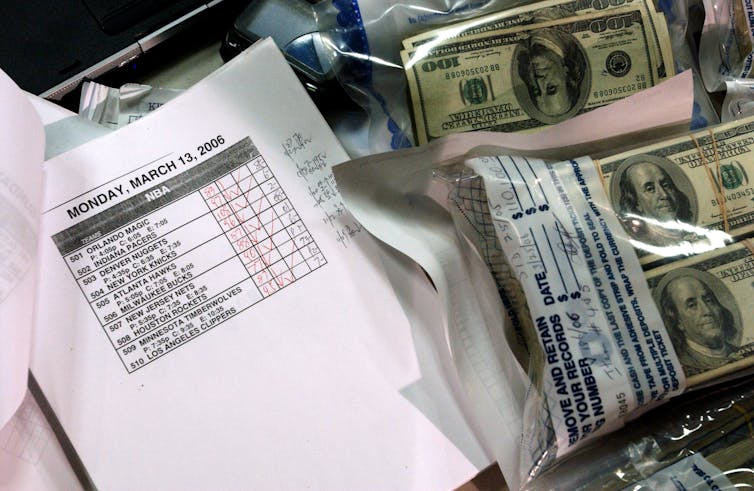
(550, 10)
(534, 13)
(531, 76)
(705, 303)
(685, 195)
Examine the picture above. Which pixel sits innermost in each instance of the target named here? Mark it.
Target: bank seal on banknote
(618, 63)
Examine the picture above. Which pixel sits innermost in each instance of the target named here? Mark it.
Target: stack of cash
(703, 303)
(687, 206)
(534, 65)
(685, 196)
(711, 427)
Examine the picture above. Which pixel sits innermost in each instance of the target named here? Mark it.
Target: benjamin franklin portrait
(701, 317)
(551, 77)
(652, 196)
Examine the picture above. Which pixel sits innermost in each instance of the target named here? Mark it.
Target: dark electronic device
(293, 27)
(47, 46)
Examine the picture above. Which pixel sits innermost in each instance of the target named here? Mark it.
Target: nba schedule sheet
(209, 315)
(174, 261)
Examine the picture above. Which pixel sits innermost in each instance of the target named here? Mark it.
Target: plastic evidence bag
(726, 45)
(588, 257)
(115, 108)
(701, 441)
(739, 100)
(572, 284)
(536, 65)
(364, 38)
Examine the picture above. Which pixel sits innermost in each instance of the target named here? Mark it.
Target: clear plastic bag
(677, 13)
(703, 440)
(401, 198)
(556, 74)
(568, 275)
(703, 113)
(726, 49)
(364, 40)
(588, 257)
(684, 19)
(739, 100)
(115, 108)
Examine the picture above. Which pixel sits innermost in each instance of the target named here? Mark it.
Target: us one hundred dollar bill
(677, 197)
(527, 77)
(705, 304)
(551, 10)
(704, 301)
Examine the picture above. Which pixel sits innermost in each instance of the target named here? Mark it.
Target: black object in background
(48, 46)
(293, 27)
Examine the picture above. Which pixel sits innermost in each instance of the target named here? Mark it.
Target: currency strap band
(746, 416)
(598, 166)
(715, 186)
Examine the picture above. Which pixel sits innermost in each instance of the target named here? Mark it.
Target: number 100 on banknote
(530, 76)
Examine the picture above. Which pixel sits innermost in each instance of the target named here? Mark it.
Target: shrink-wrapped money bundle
(630, 278)
(703, 440)
(685, 195)
(535, 65)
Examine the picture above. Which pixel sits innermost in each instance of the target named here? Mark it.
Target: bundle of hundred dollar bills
(534, 65)
(702, 440)
(629, 278)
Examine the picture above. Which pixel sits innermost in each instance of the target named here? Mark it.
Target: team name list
(178, 259)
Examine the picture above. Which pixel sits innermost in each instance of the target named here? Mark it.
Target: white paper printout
(31, 459)
(225, 323)
(22, 140)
